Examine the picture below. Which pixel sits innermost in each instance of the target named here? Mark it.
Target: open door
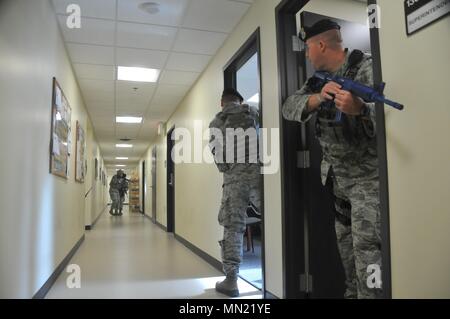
(170, 184)
(312, 265)
(154, 184)
(144, 187)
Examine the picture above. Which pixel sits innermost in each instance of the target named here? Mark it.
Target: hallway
(130, 257)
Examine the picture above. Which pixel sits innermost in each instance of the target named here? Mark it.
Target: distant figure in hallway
(349, 146)
(241, 178)
(117, 190)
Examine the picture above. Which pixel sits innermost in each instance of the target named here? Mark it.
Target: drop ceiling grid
(97, 41)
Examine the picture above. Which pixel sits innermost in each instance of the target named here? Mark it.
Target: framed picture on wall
(80, 169)
(60, 139)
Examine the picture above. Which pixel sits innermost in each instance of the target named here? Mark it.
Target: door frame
(144, 188)
(170, 203)
(292, 138)
(251, 46)
(154, 170)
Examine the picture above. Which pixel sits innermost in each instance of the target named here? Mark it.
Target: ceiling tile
(141, 58)
(178, 77)
(187, 41)
(187, 62)
(91, 54)
(145, 36)
(105, 9)
(134, 93)
(169, 94)
(214, 15)
(92, 31)
(94, 72)
(170, 12)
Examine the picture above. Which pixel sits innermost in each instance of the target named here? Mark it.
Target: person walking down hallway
(241, 178)
(349, 147)
(117, 189)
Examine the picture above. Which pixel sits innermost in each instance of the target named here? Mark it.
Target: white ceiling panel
(214, 15)
(101, 106)
(161, 112)
(170, 12)
(169, 94)
(141, 58)
(145, 36)
(187, 62)
(96, 85)
(187, 41)
(91, 54)
(105, 9)
(94, 72)
(127, 109)
(92, 31)
(178, 77)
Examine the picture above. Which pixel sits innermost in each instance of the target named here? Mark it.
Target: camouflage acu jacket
(240, 121)
(348, 161)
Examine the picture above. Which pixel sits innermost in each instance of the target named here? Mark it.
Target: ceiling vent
(149, 7)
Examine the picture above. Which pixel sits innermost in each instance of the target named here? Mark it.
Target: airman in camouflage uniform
(349, 151)
(117, 190)
(239, 164)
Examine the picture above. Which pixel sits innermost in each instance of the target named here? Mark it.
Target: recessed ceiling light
(254, 98)
(137, 74)
(120, 165)
(124, 145)
(128, 119)
(150, 7)
(121, 158)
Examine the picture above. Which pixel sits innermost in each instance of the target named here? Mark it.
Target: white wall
(42, 215)
(416, 70)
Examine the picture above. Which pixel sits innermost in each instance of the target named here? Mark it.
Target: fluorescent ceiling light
(254, 98)
(124, 145)
(128, 119)
(120, 165)
(137, 74)
(121, 158)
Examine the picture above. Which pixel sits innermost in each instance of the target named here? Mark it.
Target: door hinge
(296, 44)
(306, 283)
(303, 159)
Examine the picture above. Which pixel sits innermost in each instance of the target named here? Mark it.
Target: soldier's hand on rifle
(348, 103)
(330, 90)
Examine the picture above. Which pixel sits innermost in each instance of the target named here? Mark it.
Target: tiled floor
(130, 257)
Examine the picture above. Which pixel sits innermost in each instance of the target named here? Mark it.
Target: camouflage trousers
(359, 242)
(232, 216)
(116, 199)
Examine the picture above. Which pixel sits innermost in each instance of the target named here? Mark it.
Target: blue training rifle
(366, 93)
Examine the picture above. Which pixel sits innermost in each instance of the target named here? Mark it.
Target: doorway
(154, 152)
(312, 266)
(243, 73)
(170, 184)
(144, 187)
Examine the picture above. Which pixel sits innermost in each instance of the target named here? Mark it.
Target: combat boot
(111, 212)
(228, 286)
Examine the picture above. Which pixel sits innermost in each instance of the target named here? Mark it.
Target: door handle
(171, 179)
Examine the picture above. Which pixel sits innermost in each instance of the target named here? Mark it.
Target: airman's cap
(232, 92)
(318, 28)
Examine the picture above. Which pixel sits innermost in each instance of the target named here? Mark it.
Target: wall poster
(80, 168)
(60, 140)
